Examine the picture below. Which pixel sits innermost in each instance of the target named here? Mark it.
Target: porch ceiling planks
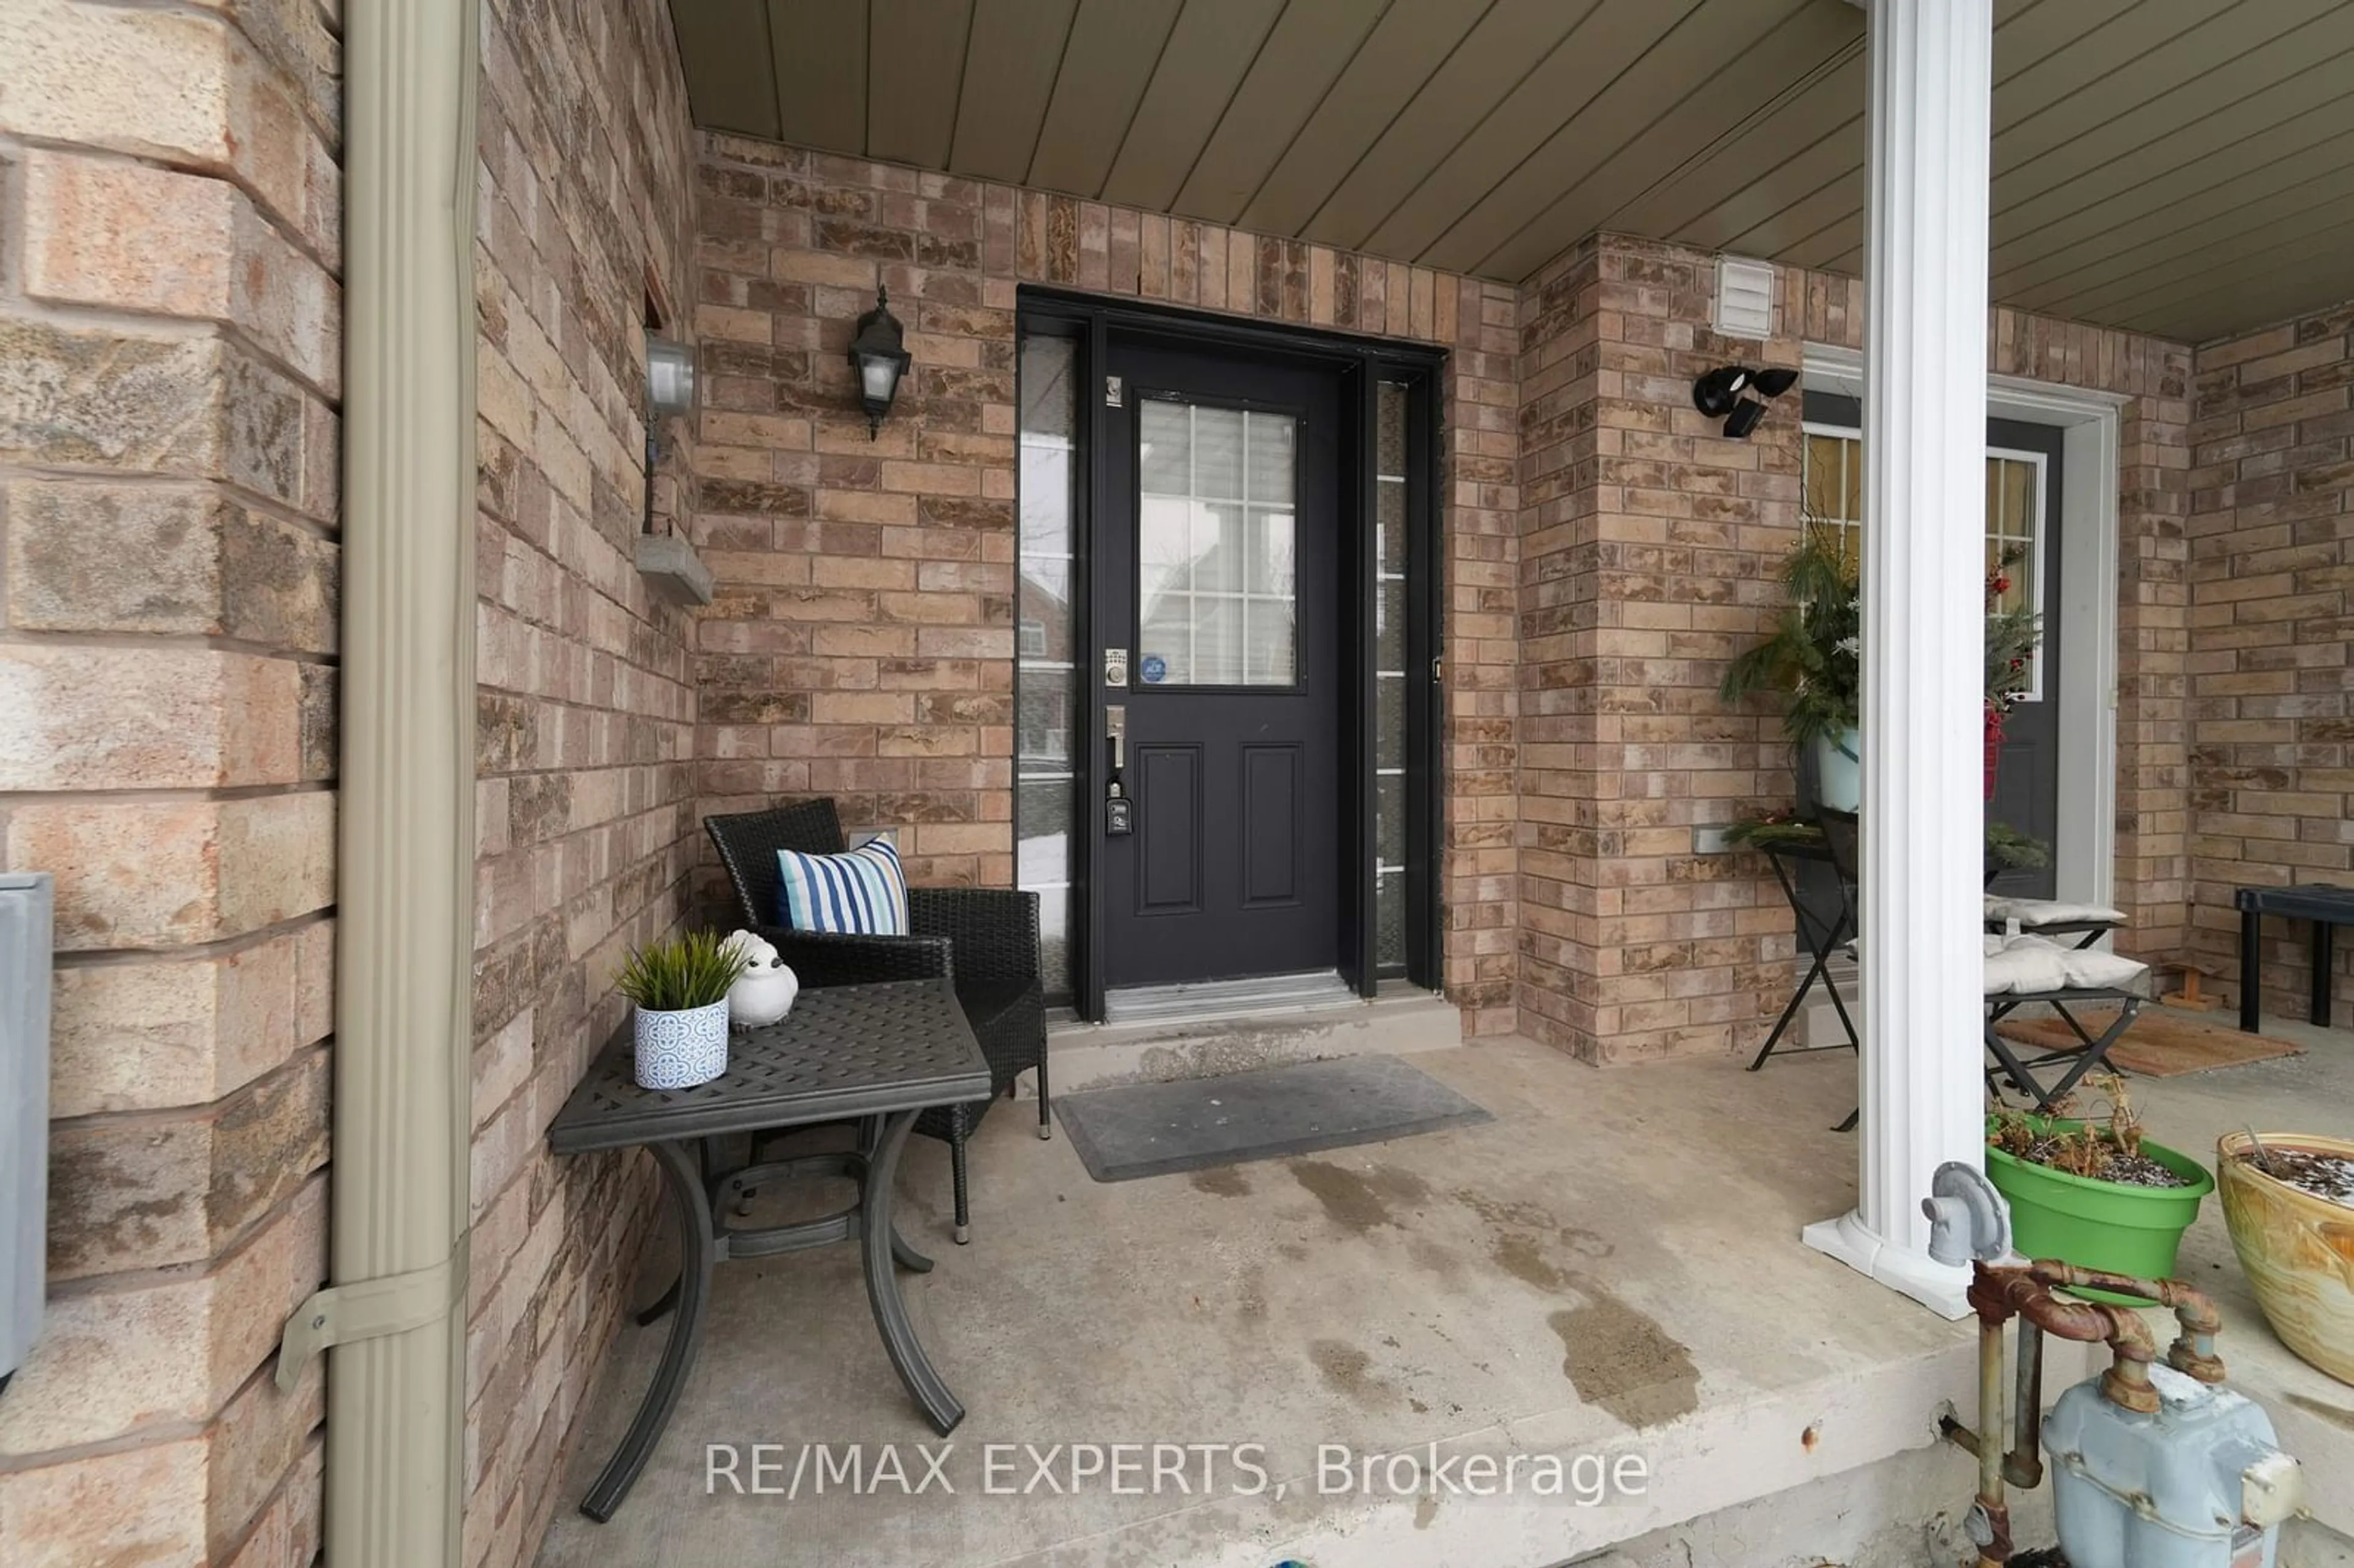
(819, 52)
(1208, 54)
(1788, 87)
(1109, 60)
(1012, 59)
(2066, 119)
(2056, 235)
(1312, 43)
(731, 82)
(1408, 48)
(1511, 38)
(2275, 199)
(914, 85)
(2180, 166)
(1525, 142)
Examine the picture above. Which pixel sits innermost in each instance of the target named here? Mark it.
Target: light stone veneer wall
(1648, 554)
(862, 643)
(2271, 612)
(169, 361)
(584, 808)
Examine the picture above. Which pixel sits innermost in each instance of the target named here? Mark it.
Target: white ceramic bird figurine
(764, 989)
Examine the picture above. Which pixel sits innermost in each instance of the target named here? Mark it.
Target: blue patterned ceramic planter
(680, 1050)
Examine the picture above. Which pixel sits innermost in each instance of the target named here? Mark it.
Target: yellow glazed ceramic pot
(2297, 1250)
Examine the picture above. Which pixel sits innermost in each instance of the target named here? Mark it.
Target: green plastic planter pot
(2099, 1225)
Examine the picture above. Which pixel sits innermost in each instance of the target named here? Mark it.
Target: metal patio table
(2327, 907)
(876, 1055)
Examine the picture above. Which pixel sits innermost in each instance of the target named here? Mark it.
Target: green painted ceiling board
(1413, 39)
(913, 79)
(1312, 43)
(1208, 54)
(1113, 47)
(820, 47)
(1010, 63)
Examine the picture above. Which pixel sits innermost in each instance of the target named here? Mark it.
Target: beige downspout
(396, 1380)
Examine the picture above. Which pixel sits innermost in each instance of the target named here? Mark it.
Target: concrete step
(1400, 1020)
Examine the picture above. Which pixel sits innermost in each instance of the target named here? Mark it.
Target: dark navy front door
(1216, 617)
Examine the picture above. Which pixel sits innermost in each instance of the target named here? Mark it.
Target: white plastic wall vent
(1745, 298)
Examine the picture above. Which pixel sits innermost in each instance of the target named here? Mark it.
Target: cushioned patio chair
(983, 939)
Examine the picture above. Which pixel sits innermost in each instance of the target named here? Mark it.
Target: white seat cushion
(2032, 912)
(2025, 966)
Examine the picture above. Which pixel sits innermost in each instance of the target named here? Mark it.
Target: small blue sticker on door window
(1156, 669)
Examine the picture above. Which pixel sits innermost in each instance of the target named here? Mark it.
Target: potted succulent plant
(680, 985)
(2288, 1200)
(2092, 1190)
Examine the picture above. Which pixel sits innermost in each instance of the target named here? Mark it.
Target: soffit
(2183, 168)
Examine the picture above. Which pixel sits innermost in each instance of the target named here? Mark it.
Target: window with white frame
(1832, 488)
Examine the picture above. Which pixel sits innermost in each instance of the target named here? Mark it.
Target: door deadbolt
(1114, 666)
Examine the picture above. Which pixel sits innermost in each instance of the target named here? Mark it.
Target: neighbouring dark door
(2022, 504)
(1218, 573)
(2024, 501)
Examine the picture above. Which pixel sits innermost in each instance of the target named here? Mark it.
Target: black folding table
(2325, 906)
(875, 1054)
(1826, 934)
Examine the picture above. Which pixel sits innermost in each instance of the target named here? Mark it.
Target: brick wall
(584, 808)
(169, 356)
(1647, 553)
(1648, 548)
(2272, 563)
(862, 643)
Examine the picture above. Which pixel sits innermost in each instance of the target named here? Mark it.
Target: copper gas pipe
(2193, 1351)
(2000, 1294)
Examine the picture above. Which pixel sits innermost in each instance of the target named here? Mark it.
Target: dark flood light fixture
(1731, 392)
(876, 355)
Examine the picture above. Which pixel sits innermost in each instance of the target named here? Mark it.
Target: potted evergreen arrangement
(2012, 632)
(680, 986)
(1814, 656)
(2092, 1190)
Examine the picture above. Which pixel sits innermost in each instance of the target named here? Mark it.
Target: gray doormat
(1151, 1129)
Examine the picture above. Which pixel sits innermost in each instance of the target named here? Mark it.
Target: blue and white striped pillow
(864, 891)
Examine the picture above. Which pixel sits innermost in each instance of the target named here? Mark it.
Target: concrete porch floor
(1609, 1267)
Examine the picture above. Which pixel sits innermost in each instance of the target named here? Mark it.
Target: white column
(1925, 410)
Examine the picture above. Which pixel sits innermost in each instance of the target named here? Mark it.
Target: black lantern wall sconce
(1732, 393)
(876, 355)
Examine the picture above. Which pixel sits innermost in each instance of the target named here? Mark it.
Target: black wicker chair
(984, 939)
